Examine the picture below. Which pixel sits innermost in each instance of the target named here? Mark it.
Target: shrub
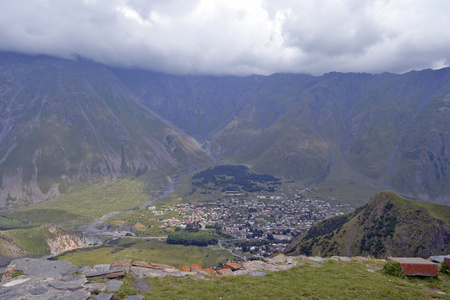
(393, 268)
(444, 269)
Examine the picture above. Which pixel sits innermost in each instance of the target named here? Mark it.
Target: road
(92, 228)
(231, 251)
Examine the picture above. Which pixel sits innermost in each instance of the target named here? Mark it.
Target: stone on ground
(43, 267)
(256, 273)
(135, 297)
(141, 285)
(105, 296)
(114, 285)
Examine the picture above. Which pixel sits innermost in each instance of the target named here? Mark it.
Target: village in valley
(259, 224)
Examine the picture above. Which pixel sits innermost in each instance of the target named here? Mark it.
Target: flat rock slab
(105, 296)
(95, 287)
(439, 258)
(72, 285)
(173, 272)
(135, 297)
(102, 267)
(104, 274)
(224, 272)
(341, 258)
(16, 281)
(317, 259)
(141, 285)
(114, 285)
(72, 278)
(416, 266)
(84, 269)
(240, 272)
(140, 272)
(254, 265)
(13, 296)
(38, 290)
(43, 267)
(37, 287)
(280, 258)
(123, 264)
(256, 273)
(4, 290)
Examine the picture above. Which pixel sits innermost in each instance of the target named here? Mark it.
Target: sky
(234, 37)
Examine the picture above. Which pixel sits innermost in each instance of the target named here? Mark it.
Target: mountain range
(65, 122)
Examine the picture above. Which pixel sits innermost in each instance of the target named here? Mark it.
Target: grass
(96, 200)
(336, 280)
(144, 221)
(7, 222)
(438, 211)
(150, 250)
(33, 240)
(44, 216)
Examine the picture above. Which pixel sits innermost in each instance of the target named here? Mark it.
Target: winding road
(229, 250)
(92, 228)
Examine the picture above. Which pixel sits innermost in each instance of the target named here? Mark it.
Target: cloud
(234, 36)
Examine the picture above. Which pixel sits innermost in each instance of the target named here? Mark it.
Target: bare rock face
(67, 242)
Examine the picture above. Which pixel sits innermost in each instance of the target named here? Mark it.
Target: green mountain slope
(66, 122)
(388, 225)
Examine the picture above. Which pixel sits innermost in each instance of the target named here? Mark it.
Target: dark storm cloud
(234, 37)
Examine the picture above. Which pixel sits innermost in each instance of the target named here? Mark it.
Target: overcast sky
(238, 37)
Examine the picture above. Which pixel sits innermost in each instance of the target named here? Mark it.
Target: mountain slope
(388, 225)
(64, 122)
(375, 131)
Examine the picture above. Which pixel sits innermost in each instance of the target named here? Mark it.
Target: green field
(87, 202)
(150, 250)
(9, 222)
(143, 221)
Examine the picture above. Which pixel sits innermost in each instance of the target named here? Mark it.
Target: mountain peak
(388, 225)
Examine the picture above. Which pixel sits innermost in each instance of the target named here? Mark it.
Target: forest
(234, 178)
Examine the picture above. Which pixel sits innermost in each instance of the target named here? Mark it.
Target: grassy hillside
(30, 242)
(153, 250)
(335, 280)
(388, 225)
(87, 202)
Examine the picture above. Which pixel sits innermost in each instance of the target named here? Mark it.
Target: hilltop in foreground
(278, 278)
(388, 225)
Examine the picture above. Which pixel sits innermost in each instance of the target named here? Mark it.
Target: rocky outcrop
(53, 239)
(67, 242)
(30, 278)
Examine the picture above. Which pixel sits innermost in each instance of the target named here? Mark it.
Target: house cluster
(257, 216)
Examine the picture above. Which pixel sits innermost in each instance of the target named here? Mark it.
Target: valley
(131, 157)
